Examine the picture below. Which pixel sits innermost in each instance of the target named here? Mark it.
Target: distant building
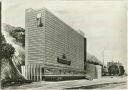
(53, 49)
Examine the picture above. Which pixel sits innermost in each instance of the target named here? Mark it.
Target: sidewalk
(45, 85)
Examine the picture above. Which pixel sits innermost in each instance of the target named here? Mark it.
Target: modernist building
(53, 49)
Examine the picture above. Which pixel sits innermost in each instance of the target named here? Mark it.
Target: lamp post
(103, 56)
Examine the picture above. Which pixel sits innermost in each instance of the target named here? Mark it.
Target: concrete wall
(93, 70)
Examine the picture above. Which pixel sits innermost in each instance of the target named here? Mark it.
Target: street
(122, 85)
(115, 86)
(103, 83)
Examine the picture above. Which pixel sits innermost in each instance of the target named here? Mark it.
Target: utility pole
(103, 56)
(118, 68)
(103, 62)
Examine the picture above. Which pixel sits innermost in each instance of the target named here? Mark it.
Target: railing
(33, 72)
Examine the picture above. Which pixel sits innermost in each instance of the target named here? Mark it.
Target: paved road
(120, 85)
(115, 86)
(103, 83)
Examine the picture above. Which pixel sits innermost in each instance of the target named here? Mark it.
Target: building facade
(52, 47)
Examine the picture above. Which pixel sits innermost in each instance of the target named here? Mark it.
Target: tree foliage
(93, 60)
(116, 69)
(3, 39)
(19, 34)
(7, 50)
(9, 72)
(122, 71)
(113, 70)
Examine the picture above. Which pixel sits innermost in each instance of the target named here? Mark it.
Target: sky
(103, 22)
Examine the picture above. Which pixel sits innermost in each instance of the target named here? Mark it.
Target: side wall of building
(62, 39)
(93, 70)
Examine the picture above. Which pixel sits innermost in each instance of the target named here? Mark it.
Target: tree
(19, 34)
(11, 74)
(121, 70)
(113, 70)
(7, 50)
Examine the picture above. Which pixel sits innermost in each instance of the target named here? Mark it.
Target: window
(39, 20)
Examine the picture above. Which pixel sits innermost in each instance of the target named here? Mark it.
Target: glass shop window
(39, 20)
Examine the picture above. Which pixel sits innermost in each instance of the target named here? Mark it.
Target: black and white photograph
(63, 44)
